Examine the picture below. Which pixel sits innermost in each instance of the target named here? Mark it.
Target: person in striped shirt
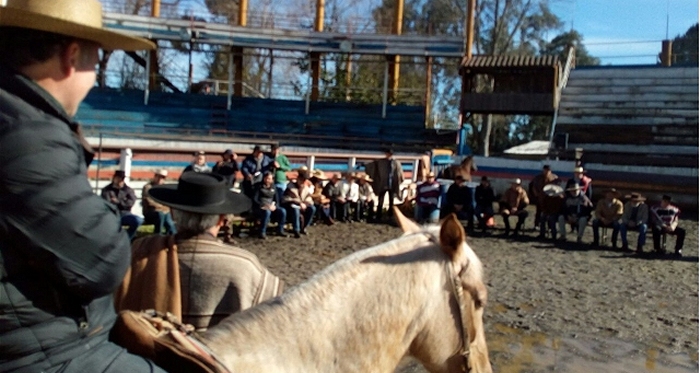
(665, 218)
(428, 196)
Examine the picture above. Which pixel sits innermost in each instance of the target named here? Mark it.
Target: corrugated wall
(645, 116)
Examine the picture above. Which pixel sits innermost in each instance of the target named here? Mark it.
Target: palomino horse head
(444, 347)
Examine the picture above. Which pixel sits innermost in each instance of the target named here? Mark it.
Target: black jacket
(62, 253)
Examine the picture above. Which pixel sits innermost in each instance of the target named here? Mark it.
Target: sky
(607, 24)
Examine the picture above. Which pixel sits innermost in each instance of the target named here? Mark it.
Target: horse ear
(407, 225)
(451, 235)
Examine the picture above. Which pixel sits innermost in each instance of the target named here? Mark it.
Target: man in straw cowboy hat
(634, 217)
(513, 203)
(62, 246)
(608, 212)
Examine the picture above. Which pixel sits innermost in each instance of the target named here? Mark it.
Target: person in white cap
(513, 203)
(156, 213)
(64, 252)
(582, 180)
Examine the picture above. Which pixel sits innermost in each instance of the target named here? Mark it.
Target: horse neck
(362, 315)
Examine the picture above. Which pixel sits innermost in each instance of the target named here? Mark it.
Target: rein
(458, 292)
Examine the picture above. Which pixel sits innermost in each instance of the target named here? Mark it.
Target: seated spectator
(428, 194)
(513, 203)
(485, 196)
(576, 210)
(154, 212)
(334, 192)
(634, 217)
(216, 279)
(552, 205)
(365, 206)
(608, 212)
(351, 193)
(199, 164)
(123, 198)
(459, 201)
(252, 168)
(582, 180)
(266, 206)
(227, 167)
(299, 204)
(665, 221)
(321, 202)
(536, 188)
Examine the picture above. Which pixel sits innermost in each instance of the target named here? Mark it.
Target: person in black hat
(227, 167)
(635, 216)
(484, 196)
(123, 198)
(216, 279)
(665, 217)
(387, 174)
(253, 168)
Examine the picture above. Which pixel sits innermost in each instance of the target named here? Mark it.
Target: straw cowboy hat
(365, 177)
(201, 193)
(81, 19)
(318, 174)
(552, 190)
(635, 197)
(162, 172)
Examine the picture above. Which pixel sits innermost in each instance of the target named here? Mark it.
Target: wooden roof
(500, 62)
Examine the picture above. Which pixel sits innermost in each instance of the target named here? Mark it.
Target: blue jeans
(280, 188)
(133, 222)
(160, 220)
(265, 215)
(642, 229)
(429, 213)
(296, 213)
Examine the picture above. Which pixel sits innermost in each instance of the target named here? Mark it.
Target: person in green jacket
(281, 166)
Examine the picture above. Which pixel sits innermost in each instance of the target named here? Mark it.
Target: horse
(464, 168)
(421, 295)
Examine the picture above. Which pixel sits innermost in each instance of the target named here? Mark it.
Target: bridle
(458, 292)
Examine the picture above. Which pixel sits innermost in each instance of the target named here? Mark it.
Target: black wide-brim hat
(202, 193)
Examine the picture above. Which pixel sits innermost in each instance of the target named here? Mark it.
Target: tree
(559, 46)
(685, 47)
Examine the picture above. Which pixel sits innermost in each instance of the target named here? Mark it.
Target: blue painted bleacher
(341, 125)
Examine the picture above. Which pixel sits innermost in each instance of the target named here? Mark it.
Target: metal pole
(385, 88)
(229, 91)
(311, 162)
(146, 91)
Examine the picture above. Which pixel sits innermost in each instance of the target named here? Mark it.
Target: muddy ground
(552, 306)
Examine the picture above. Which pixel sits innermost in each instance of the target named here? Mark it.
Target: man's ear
(70, 58)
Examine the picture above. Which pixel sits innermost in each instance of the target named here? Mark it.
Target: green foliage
(685, 47)
(559, 46)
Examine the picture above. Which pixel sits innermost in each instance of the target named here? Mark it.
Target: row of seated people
(306, 198)
(572, 207)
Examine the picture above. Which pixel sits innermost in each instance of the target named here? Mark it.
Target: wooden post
(667, 53)
(428, 89)
(238, 51)
(385, 88)
(315, 56)
(153, 57)
(269, 74)
(348, 78)
(395, 67)
(471, 9)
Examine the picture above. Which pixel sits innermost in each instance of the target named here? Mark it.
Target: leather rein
(458, 292)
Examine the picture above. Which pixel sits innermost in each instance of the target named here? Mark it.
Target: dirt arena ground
(552, 306)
